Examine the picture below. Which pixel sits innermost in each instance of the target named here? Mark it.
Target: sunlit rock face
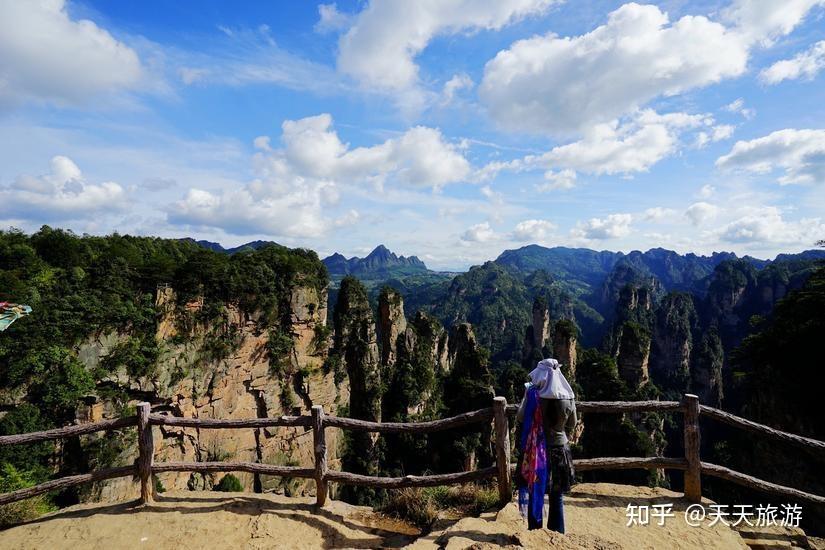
(195, 379)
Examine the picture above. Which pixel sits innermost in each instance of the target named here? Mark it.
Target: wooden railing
(145, 466)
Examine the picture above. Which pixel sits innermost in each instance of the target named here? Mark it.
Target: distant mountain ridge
(217, 247)
(380, 261)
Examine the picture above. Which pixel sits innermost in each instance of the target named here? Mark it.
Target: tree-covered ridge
(84, 286)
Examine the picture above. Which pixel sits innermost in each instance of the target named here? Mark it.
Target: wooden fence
(145, 466)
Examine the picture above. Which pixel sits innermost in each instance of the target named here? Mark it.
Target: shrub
(12, 479)
(421, 507)
(229, 484)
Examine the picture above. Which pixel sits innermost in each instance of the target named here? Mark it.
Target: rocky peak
(391, 323)
(565, 338)
(355, 343)
(633, 353)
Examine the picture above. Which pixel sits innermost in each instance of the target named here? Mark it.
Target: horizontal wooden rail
(249, 467)
(65, 482)
(216, 423)
(751, 426)
(410, 481)
(619, 406)
(756, 483)
(473, 417)
(68, 431)
(627, 463)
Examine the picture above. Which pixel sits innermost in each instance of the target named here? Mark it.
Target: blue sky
(452, 130)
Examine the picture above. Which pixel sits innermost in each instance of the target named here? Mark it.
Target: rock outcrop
(565, 339)
(223, 368)
(672, 343)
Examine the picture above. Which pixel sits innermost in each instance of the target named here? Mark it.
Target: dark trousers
(555, 516)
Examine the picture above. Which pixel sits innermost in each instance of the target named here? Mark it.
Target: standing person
(558, 412)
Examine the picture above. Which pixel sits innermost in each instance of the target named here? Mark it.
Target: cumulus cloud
(763, 21)
(380, 47)
(331, 20)
(765, 225)
(738, 106)
(799, 153)
(553, 181)
(479, 233)
(658, 213)
(564, 85)
(625, 147)
(532, 230)
(706, 191)
(296, 182)
(458, 82)
(49, 57)
(611, 227)
(805, 65)
(700, 212)
(62, 194)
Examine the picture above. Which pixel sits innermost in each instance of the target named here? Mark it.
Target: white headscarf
(551, 382)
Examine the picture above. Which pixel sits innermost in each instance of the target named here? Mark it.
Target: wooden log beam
(320, 450)
(502, 429)
(628, 463)
(68, 431)
(473, 417)
(693, 474)
(411, 481)
(146, 447)
(755, 427)
(249, 467)
(758, 484)
(617, 407)
(66, 482)
(215, 423)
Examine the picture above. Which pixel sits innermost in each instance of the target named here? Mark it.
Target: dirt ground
(595, 516)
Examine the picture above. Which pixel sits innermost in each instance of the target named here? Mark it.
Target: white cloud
(700, 212)
(331, 20)
(800, 153)
(611, 227)
(532, 230)
(765, 225)
(48, 57)
(458, 82)
(553, 181)
(738, 106)
(717, 133)
(296, 183)
(763, 21)
(62, 194)
(479, 233)
(804, 65)
(631, 146)
(564, 85)
(380, 47)
(658, 213)
(244, 56)
(706, 191)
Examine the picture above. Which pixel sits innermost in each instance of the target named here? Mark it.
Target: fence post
(320, 441)
(146, 446)
(693, 474)
(505, 493)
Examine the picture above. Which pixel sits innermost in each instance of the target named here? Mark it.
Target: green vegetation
(12, 479)
(83, 288)
(229, 484)
(422, 507)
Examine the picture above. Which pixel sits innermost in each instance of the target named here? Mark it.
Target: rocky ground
(595, 512)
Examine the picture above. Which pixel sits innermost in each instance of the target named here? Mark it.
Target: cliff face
(672, 344)
(197, 378)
